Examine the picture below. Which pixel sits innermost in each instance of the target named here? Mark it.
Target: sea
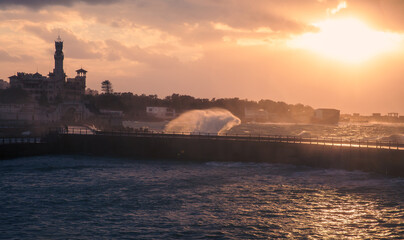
(82, 197)
(86, 197)
(372, 131)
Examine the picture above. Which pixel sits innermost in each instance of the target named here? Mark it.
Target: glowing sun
(348, 40)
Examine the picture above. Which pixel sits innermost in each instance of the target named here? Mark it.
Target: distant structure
(255, 115)
(3, 84)
(393, 115)
(55, 87)
(326, 116)
(109, 119)
(161, 112)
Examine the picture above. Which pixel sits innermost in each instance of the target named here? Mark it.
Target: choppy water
(73, 197)
(345, 131)
(354, 131)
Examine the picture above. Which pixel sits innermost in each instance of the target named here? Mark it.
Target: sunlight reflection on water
(344, 131)
(87, 198)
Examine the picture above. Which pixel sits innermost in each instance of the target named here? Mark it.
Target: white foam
(212, 121)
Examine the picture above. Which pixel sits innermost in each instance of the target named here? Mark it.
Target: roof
(81, 70)
(37, 74)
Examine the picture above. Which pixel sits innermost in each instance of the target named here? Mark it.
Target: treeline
(134, 106)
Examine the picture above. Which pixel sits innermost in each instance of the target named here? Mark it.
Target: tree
(106, 87)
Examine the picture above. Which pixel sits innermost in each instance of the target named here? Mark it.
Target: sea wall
(383, 161)
(16, 150)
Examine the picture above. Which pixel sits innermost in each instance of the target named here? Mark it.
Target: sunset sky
(324, 53)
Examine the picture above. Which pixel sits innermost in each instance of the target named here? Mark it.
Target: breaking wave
(212, 121)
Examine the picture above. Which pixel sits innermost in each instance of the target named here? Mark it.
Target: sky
(347, 55)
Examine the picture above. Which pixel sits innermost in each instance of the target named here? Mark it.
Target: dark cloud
(289, 16)
(171, 15)
(43, 3)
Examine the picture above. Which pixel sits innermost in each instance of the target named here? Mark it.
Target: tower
(81, 80)
(58, 70)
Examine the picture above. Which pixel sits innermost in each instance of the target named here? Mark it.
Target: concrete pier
(193, 148)
(24, 149)
(372, 157)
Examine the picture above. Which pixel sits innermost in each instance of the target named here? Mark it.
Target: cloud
(117, 50)
(341, 5)
(207, 48)
(76, 48)
(386, 15)
(36, 4)
(5, 57)
(171, 15)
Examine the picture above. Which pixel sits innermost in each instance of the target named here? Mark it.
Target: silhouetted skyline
(325, 53)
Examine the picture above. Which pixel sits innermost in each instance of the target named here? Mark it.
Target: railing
(19, 140)
(326, 141)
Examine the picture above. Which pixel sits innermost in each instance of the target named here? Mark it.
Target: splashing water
(212, 121)
(305, 134)
(395, 138)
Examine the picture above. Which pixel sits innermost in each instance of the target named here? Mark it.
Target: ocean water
(393, 132)
(81, 197)
(345, 131)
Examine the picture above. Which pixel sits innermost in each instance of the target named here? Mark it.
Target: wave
(212, 121)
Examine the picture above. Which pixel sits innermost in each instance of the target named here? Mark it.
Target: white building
(161, 112)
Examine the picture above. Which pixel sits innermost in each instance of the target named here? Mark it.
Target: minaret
(58, 70)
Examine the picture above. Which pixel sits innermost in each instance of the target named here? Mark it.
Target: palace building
(55, 87)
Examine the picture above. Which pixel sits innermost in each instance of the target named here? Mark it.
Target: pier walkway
(326, 141)
(384, 157)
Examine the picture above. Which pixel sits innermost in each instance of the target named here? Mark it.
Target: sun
(348, 40)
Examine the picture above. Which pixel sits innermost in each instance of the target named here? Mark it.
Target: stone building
(55, 87)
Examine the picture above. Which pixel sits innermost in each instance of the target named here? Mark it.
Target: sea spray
(305, 134)
(212, 121)
(394, 138)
